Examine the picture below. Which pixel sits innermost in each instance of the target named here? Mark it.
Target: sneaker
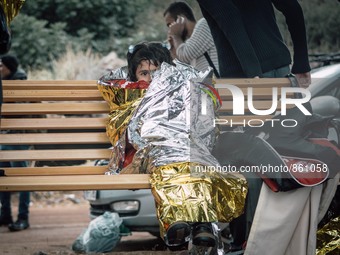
(20, 224)
(5, 220)
(203, 235)
(177, 234)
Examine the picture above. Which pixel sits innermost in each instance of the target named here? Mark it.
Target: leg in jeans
(277, 73)
(6, 205)
(24, 196)
(5, 198)
(24, 202)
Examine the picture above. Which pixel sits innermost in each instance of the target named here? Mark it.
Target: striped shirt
(201, 41)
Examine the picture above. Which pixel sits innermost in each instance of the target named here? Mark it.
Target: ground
(56, 219)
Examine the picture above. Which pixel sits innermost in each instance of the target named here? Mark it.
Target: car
(326, 84)
(326, 81)
(137, 207)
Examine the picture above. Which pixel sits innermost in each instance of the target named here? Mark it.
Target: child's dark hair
(155, 52)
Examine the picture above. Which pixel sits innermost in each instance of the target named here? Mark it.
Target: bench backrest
(63, 124)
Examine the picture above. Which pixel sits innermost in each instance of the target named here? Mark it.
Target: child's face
(144, 71)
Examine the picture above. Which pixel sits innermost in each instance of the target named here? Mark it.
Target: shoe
(20, 224)
(178, 234)
(203, 235)
(5, 220)
(235, 249)
(232, 247)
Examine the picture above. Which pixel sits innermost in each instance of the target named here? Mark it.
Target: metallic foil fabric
(182, 195)
(122, 103)
(173, 132)
(328, 238)
(11, 8)
(171, 126)
(168, 126)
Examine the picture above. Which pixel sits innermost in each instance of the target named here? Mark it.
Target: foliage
(322, 24)
(34, 44)
(45, 28)
(322, 21)
(104, 18)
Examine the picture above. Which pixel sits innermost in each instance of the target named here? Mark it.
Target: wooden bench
(65, 120)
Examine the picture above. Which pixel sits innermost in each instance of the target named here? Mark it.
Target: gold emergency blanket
(122, 102)
(182, 195)
(328, 238)
(11, 8)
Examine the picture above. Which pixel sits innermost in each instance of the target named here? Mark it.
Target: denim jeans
(277, 73)
(24, 196)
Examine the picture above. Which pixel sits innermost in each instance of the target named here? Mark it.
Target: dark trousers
(24, 196)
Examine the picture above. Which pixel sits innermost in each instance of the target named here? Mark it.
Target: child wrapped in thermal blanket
(171, 128)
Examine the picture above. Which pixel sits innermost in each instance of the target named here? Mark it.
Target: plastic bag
(102, 234)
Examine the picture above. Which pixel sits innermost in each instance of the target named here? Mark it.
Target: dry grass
(78, 66)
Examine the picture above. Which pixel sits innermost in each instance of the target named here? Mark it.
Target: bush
(34, 43)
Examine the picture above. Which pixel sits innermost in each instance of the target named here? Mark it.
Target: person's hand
(175, 33)
(176, 28)
(304, 79)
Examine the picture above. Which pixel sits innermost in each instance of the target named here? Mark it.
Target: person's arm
(292, 11)
(175, 33)
(199, 42)
(172, 47)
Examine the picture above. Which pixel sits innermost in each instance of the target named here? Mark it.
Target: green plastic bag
(102, 234)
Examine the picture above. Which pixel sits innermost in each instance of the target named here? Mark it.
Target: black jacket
(248, 39)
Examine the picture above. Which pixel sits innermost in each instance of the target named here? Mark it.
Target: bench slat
(95, 108)
(51, 95)
(227, 106)
(83, 123)
(48, 84)
(84, 84)
(258, 93)
(53, 123)
(262, 82)
(55, 138)
(54, 108)
(64, 154)
(54, 170)
(79, 182)
(83, 95)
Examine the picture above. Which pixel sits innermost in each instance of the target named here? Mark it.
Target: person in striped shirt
(191, 41)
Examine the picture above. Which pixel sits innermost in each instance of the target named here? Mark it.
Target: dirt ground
(56, 219)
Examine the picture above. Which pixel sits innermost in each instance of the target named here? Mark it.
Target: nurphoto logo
(239, 101)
